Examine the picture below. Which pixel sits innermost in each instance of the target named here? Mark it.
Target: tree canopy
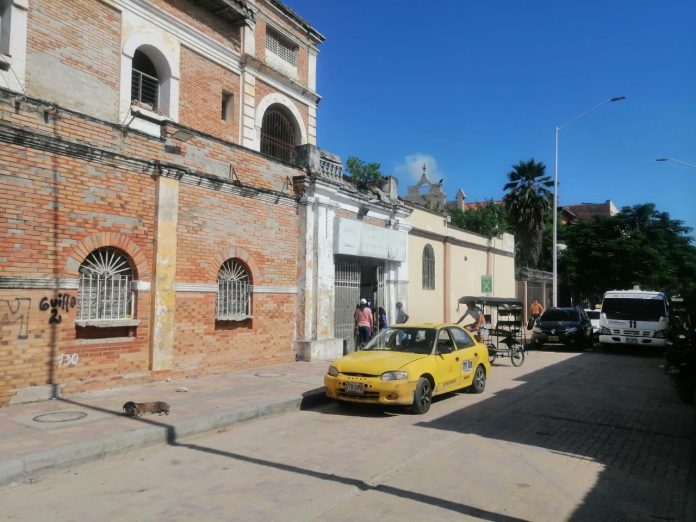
(489, 219)
(528, 203)
(362, 173)
(639, 246)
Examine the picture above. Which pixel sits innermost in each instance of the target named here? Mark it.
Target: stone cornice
(458, 242)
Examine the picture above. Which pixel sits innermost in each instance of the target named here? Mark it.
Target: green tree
(639, 246)
(361, 173)
(489, 219)
(528, 203)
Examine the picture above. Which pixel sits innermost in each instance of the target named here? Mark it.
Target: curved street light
(557, 130)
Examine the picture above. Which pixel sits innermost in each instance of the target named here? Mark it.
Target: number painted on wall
(67, 359)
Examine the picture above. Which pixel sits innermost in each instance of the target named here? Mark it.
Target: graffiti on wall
(67, 359)
(62, 302)
(13, 311)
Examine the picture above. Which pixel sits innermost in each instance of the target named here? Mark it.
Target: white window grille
(105, 291)
(280, 47)
(144, 81)
(234, 292)
(428, 268)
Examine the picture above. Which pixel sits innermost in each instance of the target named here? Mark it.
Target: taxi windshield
(404, 339)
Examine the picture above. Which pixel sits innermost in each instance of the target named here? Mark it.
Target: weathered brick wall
(302, 63)
(202, 20)
(59, 207)
(73, 61)
(72, 182)
(202, 85)
(55, 209)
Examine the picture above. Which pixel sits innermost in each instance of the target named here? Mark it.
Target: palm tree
(528, 202)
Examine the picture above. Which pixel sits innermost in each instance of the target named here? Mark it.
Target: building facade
(151, 203)
(446, 263)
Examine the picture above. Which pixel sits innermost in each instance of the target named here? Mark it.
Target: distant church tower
(426, 193)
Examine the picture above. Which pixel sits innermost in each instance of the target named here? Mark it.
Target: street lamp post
(557, 131)
(677, 161)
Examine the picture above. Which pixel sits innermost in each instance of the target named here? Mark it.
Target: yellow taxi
(408, 365)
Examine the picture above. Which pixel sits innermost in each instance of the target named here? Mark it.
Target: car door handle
(456, 358)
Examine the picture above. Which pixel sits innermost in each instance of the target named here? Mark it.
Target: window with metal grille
(428, 268)
(105, 289)
(144, 81)
(234, 292)
(278, 134)
(280, 46)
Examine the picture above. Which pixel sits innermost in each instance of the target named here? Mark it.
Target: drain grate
(60, 416)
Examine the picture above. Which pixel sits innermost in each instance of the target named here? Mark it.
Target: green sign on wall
(486, 284)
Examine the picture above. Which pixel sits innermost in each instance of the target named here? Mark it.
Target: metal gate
(348, 281)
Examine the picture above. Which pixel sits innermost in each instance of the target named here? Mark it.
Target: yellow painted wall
(467, 263)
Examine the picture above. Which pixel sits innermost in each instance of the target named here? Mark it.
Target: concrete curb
(20, 468)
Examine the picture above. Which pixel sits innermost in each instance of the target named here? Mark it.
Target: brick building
(153, 216)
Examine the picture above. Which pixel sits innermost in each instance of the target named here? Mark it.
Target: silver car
(594, 319)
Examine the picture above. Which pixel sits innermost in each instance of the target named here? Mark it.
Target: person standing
(382, 322)
(535, 310)
(363, 322)
(401, 315)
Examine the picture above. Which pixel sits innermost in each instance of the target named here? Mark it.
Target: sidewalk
(41, 436)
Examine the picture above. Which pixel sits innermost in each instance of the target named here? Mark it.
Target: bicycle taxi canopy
(491, 301)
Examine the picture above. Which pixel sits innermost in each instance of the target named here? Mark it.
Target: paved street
(567, 436)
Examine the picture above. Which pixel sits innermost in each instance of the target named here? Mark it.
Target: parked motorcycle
(680, 356)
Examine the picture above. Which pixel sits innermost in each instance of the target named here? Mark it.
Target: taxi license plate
(631, 340)
(354, 387)
(553, 338)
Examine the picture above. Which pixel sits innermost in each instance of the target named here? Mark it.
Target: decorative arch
(107, 239)
(234, 252)
(165, 59)
(287, 103)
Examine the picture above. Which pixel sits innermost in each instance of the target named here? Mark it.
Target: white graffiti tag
(67, 359)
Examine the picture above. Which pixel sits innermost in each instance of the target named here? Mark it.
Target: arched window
(145, 82)
(234, 291)
(428, 268)
(105, 291)
(278, 134)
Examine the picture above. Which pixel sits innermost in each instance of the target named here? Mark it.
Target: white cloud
(411, 168)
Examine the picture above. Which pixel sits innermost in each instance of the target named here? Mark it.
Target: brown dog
(136, 409)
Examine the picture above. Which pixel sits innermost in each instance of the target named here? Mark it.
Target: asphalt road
(568, 436)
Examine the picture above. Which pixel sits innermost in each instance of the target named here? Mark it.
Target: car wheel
(517, 355)
(423, 396)
(479, 383)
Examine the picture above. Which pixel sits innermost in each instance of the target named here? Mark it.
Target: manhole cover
(60, 416)
(270, 374)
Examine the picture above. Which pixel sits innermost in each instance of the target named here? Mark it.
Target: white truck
(634, 317)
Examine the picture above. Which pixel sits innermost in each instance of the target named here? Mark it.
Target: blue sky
(473, 87)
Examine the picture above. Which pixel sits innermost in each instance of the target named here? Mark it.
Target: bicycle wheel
(517, 355)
